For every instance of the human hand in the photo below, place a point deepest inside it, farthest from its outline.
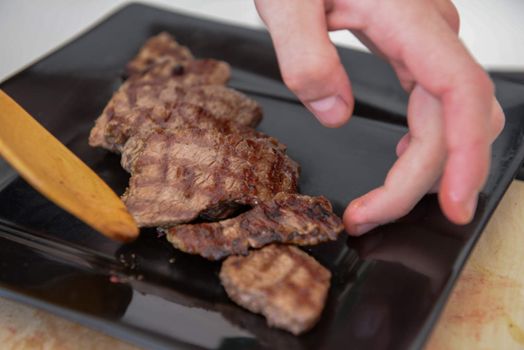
(453, 116)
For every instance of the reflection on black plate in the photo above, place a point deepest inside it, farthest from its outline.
(388, 287)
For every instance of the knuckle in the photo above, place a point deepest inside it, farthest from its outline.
(454, 23)
(452, 16)
(474, 83)
(479, 143)
(448, 11)
(482, 83)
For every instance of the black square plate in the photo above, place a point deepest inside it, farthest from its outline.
(388, 287)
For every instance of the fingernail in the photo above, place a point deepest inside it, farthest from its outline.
(363, 228)
(331, 111)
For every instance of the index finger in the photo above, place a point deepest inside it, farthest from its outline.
(308, 60)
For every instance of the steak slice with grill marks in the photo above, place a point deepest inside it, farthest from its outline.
(156, 49)
(286, 218)
(281, 282)
(161, 57)
(159, 77)
(181, 173)
(147, 105)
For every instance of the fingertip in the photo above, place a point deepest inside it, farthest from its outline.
(459, 210)
(349, 219)
(465, 174)
(331, 111)
(354, 221)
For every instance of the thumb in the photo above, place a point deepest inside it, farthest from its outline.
(309, 62)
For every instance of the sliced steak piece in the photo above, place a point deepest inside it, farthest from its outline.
(281, 282)
(141, 106)
(286, 218)
(190, 73)
(179, 173)
(156, 49)
(162, 58)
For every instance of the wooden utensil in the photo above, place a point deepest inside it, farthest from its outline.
(58, 174)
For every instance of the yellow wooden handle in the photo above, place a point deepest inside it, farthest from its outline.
(53, 170)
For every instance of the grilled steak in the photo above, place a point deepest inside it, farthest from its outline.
(141, 107)
(161, 57)
(162, 75)
(157, 49)
(286, 218)
(190, 146)
(281, 282)
(181, 173)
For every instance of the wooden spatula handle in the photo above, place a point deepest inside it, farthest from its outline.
(54, 171)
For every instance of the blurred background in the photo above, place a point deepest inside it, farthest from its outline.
(492, 30)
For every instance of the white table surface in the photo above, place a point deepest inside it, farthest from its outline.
(492, 30)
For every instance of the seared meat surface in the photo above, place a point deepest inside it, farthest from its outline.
(140, 107)
(181, 173)
(162, 76)
(190, 73)
(156, 49)
(286, 218)
(161, 58)
(190, 146)
(281, 282)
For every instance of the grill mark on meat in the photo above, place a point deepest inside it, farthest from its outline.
(164, 163)
(225, 102)
(268, 263)
(273, 213)
(142, 117)
(220, 177)
(274, 173)
(316, 211)
(280, 219)
(301, 294)
(188, 179)
(280, 282)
